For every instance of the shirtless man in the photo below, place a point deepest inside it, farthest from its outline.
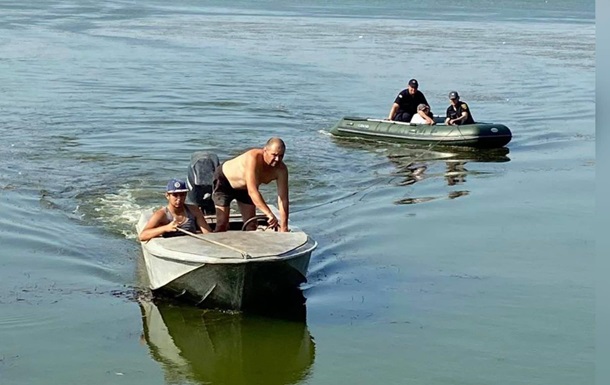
(239, 178)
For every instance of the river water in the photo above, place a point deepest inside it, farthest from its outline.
(433, 267)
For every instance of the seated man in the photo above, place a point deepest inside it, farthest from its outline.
(177, 215)
(422, 116)
(458, 112)
(239, 178)
(405, 104)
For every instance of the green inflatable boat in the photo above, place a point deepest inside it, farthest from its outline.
(478, 135)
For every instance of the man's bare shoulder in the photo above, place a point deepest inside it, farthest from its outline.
(254, 152)
(243, 157)
(282, 166)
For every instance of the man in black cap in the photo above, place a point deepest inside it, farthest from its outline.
(405, 104)
(458, 112)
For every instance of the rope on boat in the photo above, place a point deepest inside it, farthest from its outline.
(244, 254)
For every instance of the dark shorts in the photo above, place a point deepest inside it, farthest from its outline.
(402, 116)
(223, 193)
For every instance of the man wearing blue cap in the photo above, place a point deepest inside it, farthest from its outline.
(458, 112)
(167, 221)
(405, 104)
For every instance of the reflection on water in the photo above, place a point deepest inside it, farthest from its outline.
(415, 163)
(455, 173)
(212, 347)
(412, 173)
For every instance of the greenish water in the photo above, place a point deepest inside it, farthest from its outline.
(433, 267)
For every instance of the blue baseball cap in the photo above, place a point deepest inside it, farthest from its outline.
(176, 186)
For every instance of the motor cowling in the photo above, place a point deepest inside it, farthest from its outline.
(200, 180)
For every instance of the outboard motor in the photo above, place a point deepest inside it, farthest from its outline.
(200, 178)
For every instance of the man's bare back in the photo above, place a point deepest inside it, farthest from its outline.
(235, 169)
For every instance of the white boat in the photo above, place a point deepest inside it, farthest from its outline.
(230, 270)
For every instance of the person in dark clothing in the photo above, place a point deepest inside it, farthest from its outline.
(458, 112)
(405, 104)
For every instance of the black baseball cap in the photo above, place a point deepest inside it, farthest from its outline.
(413, 83)
(454, 95)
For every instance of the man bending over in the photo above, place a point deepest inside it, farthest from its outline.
(239, 178)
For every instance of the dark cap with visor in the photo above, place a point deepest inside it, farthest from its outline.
(176, 186)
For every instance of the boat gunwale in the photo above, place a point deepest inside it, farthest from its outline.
(438, 119)
(308, 247)
(421, 138)
(460, 139)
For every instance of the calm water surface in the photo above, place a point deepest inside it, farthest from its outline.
(433, 266)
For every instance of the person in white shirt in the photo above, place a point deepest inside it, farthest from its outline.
(423, 115)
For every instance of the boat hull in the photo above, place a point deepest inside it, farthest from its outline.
(236, 270)
(479, 135)
(234, 286)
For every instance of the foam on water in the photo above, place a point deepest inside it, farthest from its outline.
(120, 211)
